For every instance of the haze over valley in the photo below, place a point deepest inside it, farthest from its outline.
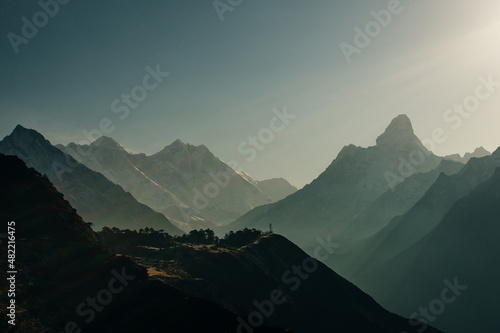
(249, 166)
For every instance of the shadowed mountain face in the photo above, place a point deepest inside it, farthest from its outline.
(62, 266)
(367, 230)
(396, 202)
(353, 182)
(464, 246)
(404, 231)
(96, 198)
(185, 182)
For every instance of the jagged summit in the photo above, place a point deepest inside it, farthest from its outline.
(400, 130)
(177, 143)
(19, 131)
(179, 146)
(21, 136)
(481, 150)
(175, 147)
(478, 152)
(106, 142)
(19, 127)
(348, 150)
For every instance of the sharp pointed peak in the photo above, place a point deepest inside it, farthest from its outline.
(19, 127)
(400, 129)
(401, 122)
(177, 145)
(478, 152)
(178, 142)
(481, 150)
(24, 137)
(103, 139)
(181, 145)
(107, 142)
(23, 132)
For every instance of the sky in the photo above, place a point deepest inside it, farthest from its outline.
(232, 69)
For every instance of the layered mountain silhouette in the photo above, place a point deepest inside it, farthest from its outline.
(66, 272)
(395, 202)
(463, 247)
(96, 198)
(478, 152)
(186, 183)
(387, 233)
(370, 228)
(68, 281)
(353, 182)
(411, 229)
(405, 230)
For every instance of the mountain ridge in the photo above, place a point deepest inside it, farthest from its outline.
(94, 196)
(350, 184)
(186, 172)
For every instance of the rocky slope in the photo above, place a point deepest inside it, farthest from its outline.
(185, 182)
(96, 198)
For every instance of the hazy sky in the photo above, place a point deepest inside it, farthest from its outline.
(226, 77)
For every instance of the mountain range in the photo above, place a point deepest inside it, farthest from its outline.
(172, 190)
(184, 182)
(62, 264)
(405, 230)
(96, 198)
(401, 223)
(69, 281)
(478, 152)
(352, 183)
(380, 206)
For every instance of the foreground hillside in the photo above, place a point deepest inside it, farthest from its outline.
(270, 278)
(68, 281)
